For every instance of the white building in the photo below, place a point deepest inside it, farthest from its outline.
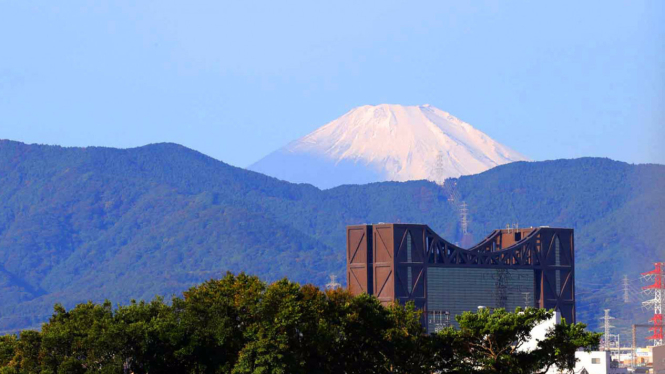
(538, 333)
(596, 362)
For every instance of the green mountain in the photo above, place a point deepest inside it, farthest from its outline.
(81, 224)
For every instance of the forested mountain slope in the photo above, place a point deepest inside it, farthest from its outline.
(95, 223)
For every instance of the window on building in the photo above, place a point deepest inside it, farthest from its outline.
(557, 262)
(409, 249)
(595, 361)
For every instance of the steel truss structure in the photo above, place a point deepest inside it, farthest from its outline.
(392, 261)
(657, 302)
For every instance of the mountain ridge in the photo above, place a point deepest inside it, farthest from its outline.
(95, 223)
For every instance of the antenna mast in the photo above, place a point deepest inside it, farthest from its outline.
(527, 299)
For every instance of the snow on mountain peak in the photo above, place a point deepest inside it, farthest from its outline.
(387, 142)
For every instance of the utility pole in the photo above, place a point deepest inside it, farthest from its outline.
(634, 347)
(607, 320)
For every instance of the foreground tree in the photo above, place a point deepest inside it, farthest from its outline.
(147, 337)
(26, 354)
(8, 346)
(363, 336)
(210, 323)
(494, 342)
(80, 338)
(561, 344)
(241, 325)
(410, 349)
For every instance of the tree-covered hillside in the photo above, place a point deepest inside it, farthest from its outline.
(95, 223)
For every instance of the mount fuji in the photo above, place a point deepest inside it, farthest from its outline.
(387, 143)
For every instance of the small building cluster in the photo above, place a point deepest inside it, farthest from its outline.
(510, 268)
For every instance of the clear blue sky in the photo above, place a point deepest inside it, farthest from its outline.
(236, 80)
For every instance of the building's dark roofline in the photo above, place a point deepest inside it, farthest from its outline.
(480, 246)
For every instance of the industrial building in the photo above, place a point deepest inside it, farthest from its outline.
(511, 267)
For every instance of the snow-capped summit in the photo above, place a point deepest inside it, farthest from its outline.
(387, 142)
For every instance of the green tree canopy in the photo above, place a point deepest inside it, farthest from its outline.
(494, 342)
(241, 325)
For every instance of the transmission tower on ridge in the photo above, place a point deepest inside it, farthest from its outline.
(464, 212)
(607, 326)
(657, 302)
(450, 189)
(439, 171)
(333, 284)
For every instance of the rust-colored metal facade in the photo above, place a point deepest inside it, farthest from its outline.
(391, 261)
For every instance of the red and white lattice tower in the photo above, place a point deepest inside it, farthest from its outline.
(658, 290)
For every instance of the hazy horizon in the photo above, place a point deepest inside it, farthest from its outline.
(237, 81)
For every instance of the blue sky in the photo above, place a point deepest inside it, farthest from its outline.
(237, 80)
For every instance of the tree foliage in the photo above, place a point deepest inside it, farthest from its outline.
(496, 342)
(241, 325)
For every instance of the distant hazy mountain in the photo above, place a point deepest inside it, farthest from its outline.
(80, 224)
(387, 143)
